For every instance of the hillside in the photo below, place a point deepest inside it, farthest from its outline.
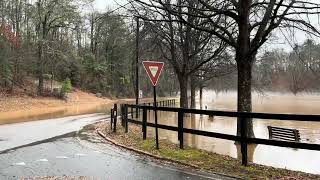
(24, 102)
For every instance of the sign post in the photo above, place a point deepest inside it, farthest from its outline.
(153, 70)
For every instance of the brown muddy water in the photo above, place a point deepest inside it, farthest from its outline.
(54, 112)
(289, 158)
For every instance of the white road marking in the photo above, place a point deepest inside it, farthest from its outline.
(20, 164)
(61, 157)
(80, 154)
(42, 160)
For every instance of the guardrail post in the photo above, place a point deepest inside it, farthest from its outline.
(126, 117)
(180, 128)
(144, 123)
(244, 148)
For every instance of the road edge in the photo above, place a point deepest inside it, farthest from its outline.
(159, 157)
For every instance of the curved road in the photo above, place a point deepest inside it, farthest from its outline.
(76, 154)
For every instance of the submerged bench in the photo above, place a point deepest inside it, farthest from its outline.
(283, 134)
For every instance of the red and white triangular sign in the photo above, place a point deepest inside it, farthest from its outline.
(153, 69)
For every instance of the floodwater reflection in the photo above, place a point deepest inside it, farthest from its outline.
(54, 112)
(295, 159)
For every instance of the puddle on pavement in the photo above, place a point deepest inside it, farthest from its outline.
(54, 112)
(295, 159)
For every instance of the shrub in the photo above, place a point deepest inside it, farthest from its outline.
(66, 87)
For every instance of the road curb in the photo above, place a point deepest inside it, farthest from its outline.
(157, 157)
(143, 152)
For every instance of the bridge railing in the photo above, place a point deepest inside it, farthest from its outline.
(242, 116)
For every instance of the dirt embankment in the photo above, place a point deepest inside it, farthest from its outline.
(23, 102)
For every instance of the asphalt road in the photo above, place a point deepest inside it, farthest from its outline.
(20, 134)
(86, 154)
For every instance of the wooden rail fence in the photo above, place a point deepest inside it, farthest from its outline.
(243, 116)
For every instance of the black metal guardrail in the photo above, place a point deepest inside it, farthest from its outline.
(243, 116)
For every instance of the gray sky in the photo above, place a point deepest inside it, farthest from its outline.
(278, 42)
(102, 5)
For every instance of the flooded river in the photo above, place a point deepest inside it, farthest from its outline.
(53, 112)
(294, 159)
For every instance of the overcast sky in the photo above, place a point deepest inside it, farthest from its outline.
(102, 5)
(278, 42)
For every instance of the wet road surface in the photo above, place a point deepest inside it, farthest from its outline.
(86, 154)
(19, 134)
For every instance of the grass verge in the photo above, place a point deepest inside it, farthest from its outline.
(203, 160)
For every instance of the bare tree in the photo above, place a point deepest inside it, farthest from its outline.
(50, 15)
(181, 45)
(244, 25)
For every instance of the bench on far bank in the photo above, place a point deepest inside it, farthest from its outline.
(284, 134)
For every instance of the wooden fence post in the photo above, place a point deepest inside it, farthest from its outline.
(126, 117)
(244, 148)
(111, 118)
(122, 115)
(296, 135)
(115, 117)
(132, 112)
(144, 124)
(180, 128)
(270, 132)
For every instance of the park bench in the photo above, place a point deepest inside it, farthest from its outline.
(283, 134)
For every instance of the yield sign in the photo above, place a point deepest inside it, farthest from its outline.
(153, 69)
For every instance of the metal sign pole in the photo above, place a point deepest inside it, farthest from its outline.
(137, 67)
(153, 70)
(155, 115)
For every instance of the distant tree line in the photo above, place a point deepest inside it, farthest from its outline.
(56, 41)
(278, 70)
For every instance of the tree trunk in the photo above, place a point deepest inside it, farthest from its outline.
(183, 82)
(193, 92)
(41, 51)
(91, 33)
(244, 93)
(40, 68)
(200, 94)
(244, 59)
